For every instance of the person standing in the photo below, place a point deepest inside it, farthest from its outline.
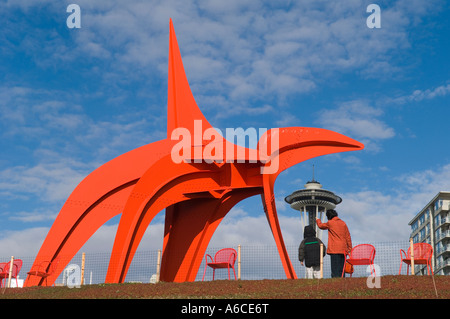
(309, 252)
(339, 241)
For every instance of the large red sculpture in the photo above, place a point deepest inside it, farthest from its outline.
(197, 192)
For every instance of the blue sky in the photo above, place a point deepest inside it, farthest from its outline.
(72, 99)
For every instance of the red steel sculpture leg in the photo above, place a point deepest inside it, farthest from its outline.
(98, 198)
(196, 193)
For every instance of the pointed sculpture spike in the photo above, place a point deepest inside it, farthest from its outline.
(182, 110)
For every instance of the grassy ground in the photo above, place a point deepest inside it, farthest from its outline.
(390, 287)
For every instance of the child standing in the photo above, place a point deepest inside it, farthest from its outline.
(309, 252)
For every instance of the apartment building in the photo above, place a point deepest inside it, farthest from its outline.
(432, 225)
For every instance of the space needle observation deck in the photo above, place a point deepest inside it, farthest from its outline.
(312, 202)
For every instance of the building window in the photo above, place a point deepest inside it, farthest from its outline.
(437, 204)
(423, 233)
(421, 219)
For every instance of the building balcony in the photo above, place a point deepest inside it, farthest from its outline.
(442, 221)
(442, 249)
(442, 235)
(442, 264)
(442, 208)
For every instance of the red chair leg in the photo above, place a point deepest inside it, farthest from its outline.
(372, 270)
(204, 272)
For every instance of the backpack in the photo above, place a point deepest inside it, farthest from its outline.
(312, 252)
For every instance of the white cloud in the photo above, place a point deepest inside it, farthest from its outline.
(103, 239)
(420, 95)
(27, 242)
(31, 217)
(243, 50)
(22, 243)
(372, 216)
(376, 217)
(239, 228)
(359, 120)
(61, 141)
(384, 216)
(51, 182)
(428, 182)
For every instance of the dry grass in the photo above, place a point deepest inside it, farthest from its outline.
(391, 287)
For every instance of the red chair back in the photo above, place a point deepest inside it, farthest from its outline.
(2, 266)
(17, 265)
(363, 251)
(226, 255)
(53, 266)
(421, 251)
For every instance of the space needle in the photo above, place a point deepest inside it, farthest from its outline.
(312, 201)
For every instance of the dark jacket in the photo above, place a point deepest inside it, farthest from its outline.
(309, 249)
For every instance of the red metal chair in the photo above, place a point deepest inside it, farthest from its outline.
(2, 266)
(44, 269)
(363, 254)
(224, 258)
(422, 256)
(4, 274)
